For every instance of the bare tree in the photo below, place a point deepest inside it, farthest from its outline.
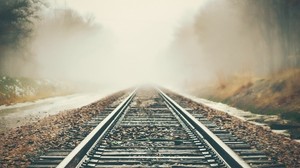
(16, 26)
(16, 20)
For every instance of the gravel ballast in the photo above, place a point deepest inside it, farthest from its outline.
(19, 146)
(276, 146)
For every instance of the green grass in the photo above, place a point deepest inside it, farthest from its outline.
(278, 87)
(283, 113)
(252, 108)
(292, 115)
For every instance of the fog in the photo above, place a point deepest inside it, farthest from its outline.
(222, 41)
(125, 42)
(169, 42)
(227, 38)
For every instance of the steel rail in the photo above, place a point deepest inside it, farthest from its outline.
(226, 153)
(77, 155)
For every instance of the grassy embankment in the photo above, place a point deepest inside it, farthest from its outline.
(16, 90)
(277, 94)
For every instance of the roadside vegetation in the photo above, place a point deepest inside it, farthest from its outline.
(245, 53)
(276, 94)
(32, 33)
(16, 90)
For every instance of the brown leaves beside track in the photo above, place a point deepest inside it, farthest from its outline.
(20, 145)
(276, 146)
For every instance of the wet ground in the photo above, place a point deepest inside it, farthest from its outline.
(276, 123)
(21, 113)
(20, 145)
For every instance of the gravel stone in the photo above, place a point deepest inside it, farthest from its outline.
(19, 146)
(276, 146)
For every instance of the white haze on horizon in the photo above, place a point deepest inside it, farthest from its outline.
(133, 39)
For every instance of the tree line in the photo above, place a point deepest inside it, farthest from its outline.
(23, 21)
(261, 34)
(279, 18)
(16, 21)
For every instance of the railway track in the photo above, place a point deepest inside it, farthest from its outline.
(149, 129)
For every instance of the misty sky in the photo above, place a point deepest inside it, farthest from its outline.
(138, 33)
